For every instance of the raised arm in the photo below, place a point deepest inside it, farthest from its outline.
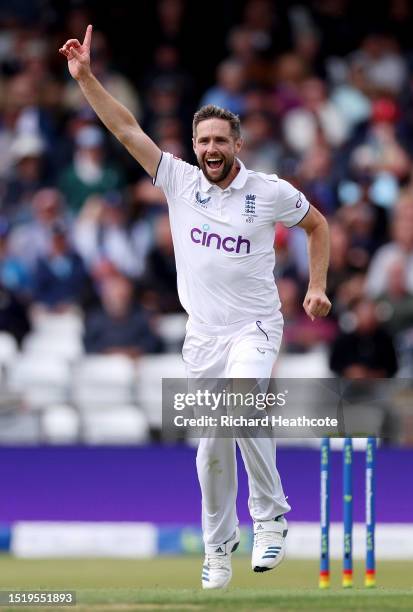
(316, 303)
(116, 117)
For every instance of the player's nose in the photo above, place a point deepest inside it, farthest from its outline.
(212, 148)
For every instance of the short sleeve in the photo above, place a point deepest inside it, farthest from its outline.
(173, 175)
(292, 205)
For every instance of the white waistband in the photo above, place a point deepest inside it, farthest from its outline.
(231, 328)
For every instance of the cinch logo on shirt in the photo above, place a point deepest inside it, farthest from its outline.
(229, 243)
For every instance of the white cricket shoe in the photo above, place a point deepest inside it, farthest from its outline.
(217, 570)
(269, 544)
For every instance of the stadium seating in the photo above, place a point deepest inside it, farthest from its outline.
(60, 424)
(150, 371)
(172, 329)
(103, 381)
(41, 382)
(8, 348)
(49, 343)
(118, 425)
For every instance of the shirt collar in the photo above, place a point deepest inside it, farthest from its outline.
(238, 182)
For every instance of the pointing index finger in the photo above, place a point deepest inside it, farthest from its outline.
(88, 37)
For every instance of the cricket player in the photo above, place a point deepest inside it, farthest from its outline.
(222, 220)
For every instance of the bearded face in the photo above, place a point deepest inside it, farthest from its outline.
(215, 149)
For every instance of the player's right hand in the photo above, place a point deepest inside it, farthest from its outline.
(78, 55)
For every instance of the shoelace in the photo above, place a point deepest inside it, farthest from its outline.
(217, 562)
(267, 538)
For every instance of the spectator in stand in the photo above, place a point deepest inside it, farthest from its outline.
(368, 350)
(268, 24)
(89, 174)
(164, 101)
(228, 92)
(395, 305)
(299, 334)
(148, 201)
(25, 178)
(244, 49)
(380, 59)
(60, 279)
(160, 292)
(340, 24)
(362, 214)
(343, 269)
(315, 121)
(381, 150)
(120, 325)
(13, 274)
(315, 174)
(400, 21)
(289, 72)
(23, 104)
(256, 101)
(171, 134)
(102, 232)
(306, 38)
(16, 96)
(31, 240)
(360, 221)
(13, 314)
(171, 18)
(286, 266)
(42, 102)
(168, 63)
(351, 97)
(400, 248)
(260, 152)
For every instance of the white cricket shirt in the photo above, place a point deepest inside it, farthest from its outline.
(224, 239)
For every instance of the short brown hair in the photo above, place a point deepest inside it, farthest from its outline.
(210, 111)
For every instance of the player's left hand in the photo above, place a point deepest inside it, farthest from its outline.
(316, 303)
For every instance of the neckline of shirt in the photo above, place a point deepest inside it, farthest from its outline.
(238, 182)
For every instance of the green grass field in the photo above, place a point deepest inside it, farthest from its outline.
(172, 583)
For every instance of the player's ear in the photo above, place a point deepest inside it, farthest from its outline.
(238, 145)
(193, 144)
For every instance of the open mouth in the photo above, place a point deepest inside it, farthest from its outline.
(214, 163)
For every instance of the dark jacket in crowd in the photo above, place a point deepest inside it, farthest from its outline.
(105, 333)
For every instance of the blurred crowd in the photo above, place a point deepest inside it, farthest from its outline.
(325, 95)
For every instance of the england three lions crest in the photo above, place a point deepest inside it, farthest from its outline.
(249, 207)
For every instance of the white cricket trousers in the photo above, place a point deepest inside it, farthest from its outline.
(231, 352)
